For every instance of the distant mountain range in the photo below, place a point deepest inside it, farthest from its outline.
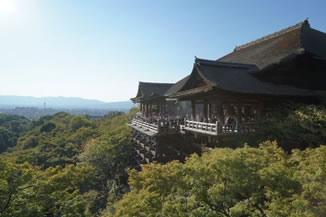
(61, 102)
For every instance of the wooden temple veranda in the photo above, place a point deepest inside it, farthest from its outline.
(226, 96)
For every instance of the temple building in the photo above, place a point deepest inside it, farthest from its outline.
(150, 98)
(155, 129)
(226, 96)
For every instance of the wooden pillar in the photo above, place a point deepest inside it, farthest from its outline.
(205, 110)
(146, 109)
(247, 113)
(209, 111)
(150, 109)
(238, 117)
(220, 113)
(230, 112)
(260, 110)
(230, 109)
(238, 114)
(193, 110)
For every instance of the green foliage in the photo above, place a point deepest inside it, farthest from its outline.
(66, 166)
(298, 126)
(46, 128)
(263, 181)
(80, 121)
(54, 140)
(30, 142)
(110, 154)
(15, 123)
(113, 114)
(11, 127)
(28, 191)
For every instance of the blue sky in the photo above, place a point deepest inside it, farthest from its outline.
(100, 49)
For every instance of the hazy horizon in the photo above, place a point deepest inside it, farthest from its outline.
(67, 97)
(101, 49)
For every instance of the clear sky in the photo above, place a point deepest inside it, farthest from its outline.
(100, 49)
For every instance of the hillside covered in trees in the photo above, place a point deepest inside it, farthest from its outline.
(64, 165)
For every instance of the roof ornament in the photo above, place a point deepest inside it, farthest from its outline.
(197, 60)
(306, 22)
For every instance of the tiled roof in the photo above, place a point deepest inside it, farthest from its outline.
(177, 86)
(147, 90)
(239, 78)
(274, 48)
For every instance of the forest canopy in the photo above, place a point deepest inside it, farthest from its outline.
(64, 165)
(264, 181)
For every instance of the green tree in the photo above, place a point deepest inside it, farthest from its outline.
(296, 126)
(46, 128)
(80, 121)
(110, 154)
(28, 191)
(66, 166)
(11, 128)
(264, 181)
(54, 140)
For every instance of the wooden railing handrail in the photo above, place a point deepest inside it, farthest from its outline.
(213, 129)
(146, 126)
(216, 128)
(201, 127)
(188, 121)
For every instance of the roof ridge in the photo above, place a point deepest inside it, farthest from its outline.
(155, 83)
(222, 63)
(304, 23)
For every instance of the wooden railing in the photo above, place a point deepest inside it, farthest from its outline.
(216, 128)
(155, 128)
(144, 125)
(201, 127)
(212, 129)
